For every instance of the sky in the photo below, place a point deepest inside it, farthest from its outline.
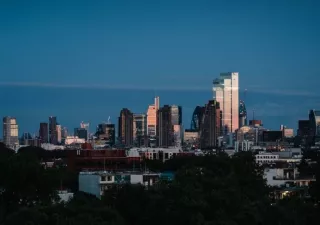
(85, 60)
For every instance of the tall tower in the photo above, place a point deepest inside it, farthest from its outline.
(126, 127)
(43, 132)
(10, 131)
(53, 139)
(152, 117)
(226, 92)
(210, 125)
(165, 135)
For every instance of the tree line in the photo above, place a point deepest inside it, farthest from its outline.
(206, 190)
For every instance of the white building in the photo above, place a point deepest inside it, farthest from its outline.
(74, 140)
(226, 92)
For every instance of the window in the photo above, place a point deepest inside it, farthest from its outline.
(103, 178)
(109, 178)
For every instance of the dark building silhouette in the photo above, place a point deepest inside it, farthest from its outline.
(210, 128)
(271, 136)
(314, 123)
(81, 133)
(43, 133)
(165, 135)
(126, 127)
(242, 114)
(303, 128)
(53, 134)
(197, 118)
(255, 123)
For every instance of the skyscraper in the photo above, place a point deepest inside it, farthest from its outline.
(176, 115)
(139, 128)
(197, 118)
(242, 114)
(59, 134)
(152, 117)
(43, 132)
(10, 131)
(226, 92)
(165, 132)
(126, 127)
(53, 139)
(210, 128)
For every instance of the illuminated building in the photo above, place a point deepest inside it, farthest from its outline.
(152, 117)
(226, 92)
(10, 131)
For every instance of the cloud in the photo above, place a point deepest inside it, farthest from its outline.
(103, 86)
(282, 91)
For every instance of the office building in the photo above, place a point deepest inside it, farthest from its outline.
(176, 115)
(43, 133)
(242, 114)
(211, 127)
(81, 133)
(85, 126)
(226, 92)
(10, 131)
(126, 127)
(152, 118)
(303, 128)
(197, 116)
(165, 132)
(139, 129)
(59, 134)
(53, 139)
(314, 120)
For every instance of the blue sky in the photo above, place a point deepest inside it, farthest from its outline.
(69, 46)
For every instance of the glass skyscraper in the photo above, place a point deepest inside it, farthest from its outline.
(226, 92)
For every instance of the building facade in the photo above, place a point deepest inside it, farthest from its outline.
(139, 129)
(226, 92)
(59, 133)
(10, 131)
(126, 127)
(176, 115)
(152, 117)
(81, 133)
(165, 132)
(242, 114)
(43, 132)
(53, 136)
(211, 125)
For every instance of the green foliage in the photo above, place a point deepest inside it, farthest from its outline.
(206, 190)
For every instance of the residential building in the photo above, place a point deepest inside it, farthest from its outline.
(96, 183)
(226, 92)
(126, 127)
(10, 131)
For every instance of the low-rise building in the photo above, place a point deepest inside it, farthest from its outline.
(96, 183)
